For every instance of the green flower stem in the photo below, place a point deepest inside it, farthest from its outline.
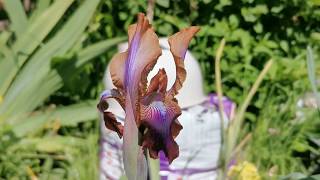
(220, 104)
(235, 125)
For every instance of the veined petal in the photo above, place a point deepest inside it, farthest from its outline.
(178, 46)
(110, 120)
(159, 118)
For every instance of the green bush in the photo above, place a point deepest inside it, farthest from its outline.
(255, 31)
(40, 54)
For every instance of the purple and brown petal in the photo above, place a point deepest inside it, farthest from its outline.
(153, 109)
(110, 120)
(158, 83)
(178, 46)
(159, 117)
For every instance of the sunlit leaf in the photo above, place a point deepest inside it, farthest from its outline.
(64, 115)
(26, 85)
(32, 38)
(17, 15)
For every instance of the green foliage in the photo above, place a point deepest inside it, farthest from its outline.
(17, 16)
(279, 137)
(44, 60)
(51, 156)
(39, 55)
(255, 31)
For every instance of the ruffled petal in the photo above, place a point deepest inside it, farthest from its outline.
(129, 69)
(176, 127)
(158, 83)
(143, 52)
(178, 46)
(109, 118)
(111, 123)
(159, 119)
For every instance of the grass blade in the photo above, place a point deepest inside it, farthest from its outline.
(219, 86)
(97, 49)
(41, 6)
(26, 84)
(312, 74)
(17, 16)
(236, 124)
(65, 115)
(68, 68)
(31, 39)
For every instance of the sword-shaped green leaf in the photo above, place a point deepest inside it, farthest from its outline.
(65, 115)
(17, 16)
(33, 37)
(26, 84)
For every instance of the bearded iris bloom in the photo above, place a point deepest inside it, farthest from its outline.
(151, 110)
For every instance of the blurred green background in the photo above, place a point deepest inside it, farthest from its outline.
(53, 54)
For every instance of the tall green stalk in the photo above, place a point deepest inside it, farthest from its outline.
(229, 140)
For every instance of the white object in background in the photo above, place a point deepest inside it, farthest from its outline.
(199, 145)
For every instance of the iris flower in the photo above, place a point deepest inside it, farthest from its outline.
(151, 110)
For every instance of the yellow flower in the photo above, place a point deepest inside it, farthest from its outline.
(1, 99)
(244, 171)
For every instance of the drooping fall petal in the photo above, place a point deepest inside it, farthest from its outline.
(108, 117)
(158, 114)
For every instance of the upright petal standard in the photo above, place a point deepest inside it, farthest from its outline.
(151, 111)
